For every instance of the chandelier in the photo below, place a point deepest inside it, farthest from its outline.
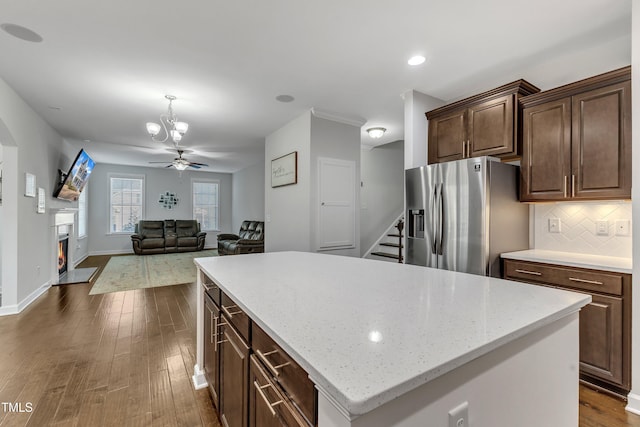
(169, 122)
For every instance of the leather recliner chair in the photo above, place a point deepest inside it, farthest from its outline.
(249, 240)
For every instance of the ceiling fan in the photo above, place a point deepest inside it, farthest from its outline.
(181, 163)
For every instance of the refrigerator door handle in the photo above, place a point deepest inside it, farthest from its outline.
(434, 221)
(441, 220)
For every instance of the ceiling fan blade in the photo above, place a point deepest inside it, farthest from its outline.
(198, 164)
(192, 165)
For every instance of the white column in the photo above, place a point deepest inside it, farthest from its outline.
(634, 397)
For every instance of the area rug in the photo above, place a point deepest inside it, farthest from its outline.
(123, 273)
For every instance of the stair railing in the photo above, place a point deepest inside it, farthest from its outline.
(400, 227)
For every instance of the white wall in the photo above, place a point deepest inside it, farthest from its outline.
(287, 209)
(247, 200)
(157, 181)
(334, 140)
(634, 396)
(382, 191)
(578, 228)
(29, 145)
(416, 104)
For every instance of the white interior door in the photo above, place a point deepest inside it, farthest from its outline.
(337, 199)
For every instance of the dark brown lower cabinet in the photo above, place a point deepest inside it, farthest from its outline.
(268, 405)
(211, 353)
(234, 376)
(605, 323)
(600, 338)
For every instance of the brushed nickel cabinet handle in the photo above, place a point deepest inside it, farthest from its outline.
(274, 369)
(565, 186)
(534, 273)
(264, 397)
(214, 330)
(464, 147)
(228, 313)
(468, 148)
(573, 186)
(591, 282)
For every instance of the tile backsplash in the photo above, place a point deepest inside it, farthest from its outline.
(578, 228)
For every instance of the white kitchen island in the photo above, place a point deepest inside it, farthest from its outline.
(398, 345)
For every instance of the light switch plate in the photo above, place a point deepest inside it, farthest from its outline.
(554, 225)
(602, 227)
(623, 227)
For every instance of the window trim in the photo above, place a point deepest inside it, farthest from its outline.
(206, 181)
(142, 197)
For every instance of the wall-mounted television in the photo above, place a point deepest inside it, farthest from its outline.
(72, 183)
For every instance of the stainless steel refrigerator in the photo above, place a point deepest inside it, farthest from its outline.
(462, 215)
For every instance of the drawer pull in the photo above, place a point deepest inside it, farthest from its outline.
(534, 273)
(591, 282)
(214, 330)
(228, 313)
(272, 368)
(264, 397)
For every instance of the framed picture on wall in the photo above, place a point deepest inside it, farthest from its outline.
(284, 170)
(29, 185)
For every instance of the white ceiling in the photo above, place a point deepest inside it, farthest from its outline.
(103, 68)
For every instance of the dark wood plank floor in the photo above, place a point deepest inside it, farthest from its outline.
(126, 358)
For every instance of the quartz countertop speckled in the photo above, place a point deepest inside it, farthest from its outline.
(573, 259)
(369, 331)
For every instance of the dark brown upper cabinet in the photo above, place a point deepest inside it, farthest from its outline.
(577, 140)
(486, 124)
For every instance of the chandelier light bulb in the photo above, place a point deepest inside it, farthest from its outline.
(181, 127)
(153, 128)
(175, 135)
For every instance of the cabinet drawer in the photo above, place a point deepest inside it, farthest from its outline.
(586, 280)
(284, 370)
(268, 406)
(212, 289)
(236, 316)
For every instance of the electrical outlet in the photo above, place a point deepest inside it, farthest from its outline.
(554, 225)
(459, 416)
(602, 227)
(622, 227)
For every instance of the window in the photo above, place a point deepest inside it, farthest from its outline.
(205, 204)
(82, 213)
(126, 203)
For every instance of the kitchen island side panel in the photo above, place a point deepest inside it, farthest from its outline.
(530, 382)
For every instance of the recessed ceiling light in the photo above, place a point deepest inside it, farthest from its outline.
(21, 32)
(416, 60)
(285, 98)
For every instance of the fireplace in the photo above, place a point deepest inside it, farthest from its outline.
(63, 251)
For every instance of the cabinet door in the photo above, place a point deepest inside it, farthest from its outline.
(601, 338)
(601, 139)
(490, 128)
(546, 151)
(447, 137)
(211, 353)
(234, 377)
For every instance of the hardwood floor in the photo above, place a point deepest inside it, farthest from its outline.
(118, 359)
(126, 359)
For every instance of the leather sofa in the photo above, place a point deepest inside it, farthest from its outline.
(249, 240)
(165, 236)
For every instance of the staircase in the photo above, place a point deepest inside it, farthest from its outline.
(390, 247)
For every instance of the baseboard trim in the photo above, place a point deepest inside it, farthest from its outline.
(17, 308)
(111, 252)
(633, 403)
(198, 378)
